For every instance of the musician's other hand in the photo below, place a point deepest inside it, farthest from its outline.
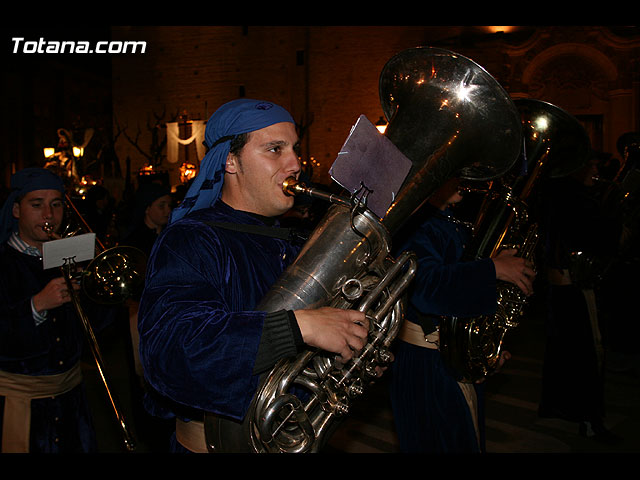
(514, 269)
(54, 294)
(343, 332)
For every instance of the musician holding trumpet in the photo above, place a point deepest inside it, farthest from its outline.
(433, 412)
(44, 407)
(203, 345)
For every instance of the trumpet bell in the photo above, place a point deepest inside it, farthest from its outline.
(115, 275)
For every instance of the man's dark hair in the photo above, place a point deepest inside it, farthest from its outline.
(238, 143)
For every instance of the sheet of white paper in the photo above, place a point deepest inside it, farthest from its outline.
(77, 248)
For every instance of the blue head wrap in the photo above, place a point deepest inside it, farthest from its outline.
(231, 119)
(23, 182)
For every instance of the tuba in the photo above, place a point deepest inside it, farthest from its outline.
(555, 145)
(113, 276)
(449, 117)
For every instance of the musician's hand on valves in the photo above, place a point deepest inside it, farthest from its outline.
(54, 294)
(343, 332)
(516, 270)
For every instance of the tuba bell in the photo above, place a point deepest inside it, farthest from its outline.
(449, 117)
(555, 145)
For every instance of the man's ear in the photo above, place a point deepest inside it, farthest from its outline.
(16, 210)
(231, 166)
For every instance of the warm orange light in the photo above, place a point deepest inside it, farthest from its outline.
(381, 125)
(503, 29)
(85, 184)
(146, 170)
(312, 162)
(187, 172)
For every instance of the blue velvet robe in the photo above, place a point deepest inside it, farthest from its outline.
(62, 423)
(444, 285)
(199, 332)
(430, 412)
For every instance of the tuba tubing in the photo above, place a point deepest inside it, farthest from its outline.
(330, 399)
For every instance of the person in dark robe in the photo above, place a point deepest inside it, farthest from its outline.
(151, 214)
(43, 405)
(203, 344)
(99, 214)
(433, 412)
(579, 239)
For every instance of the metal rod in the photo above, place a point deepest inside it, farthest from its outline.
(97, 356)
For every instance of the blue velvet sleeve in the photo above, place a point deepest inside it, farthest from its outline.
(198, 334)
(444, 285)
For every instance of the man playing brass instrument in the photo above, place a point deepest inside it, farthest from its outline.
(434, 413)
(202, 344)
(42, 398)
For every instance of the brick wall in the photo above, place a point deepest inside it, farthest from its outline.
(325, 76)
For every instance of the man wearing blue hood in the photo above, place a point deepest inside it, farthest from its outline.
(203, 345)
(43, 408)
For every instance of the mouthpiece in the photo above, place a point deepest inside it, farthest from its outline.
(48, 229)
(293, 187)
